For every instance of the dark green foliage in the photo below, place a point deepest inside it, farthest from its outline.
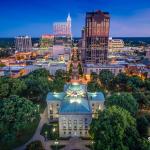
(16, 114)
(35, 145)
(124, 100)
(9, 86)
(50, 131)
(110, 130)
(147, 84)
(70, 68)
(2, 65)
(80, 69)
(94, 76)
(143, 98)
(119, 82)
(134, 83)
(142, 125)
(93, 87)
(106, 77)
(62, 75)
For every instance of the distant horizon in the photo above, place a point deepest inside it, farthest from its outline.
(80, 37)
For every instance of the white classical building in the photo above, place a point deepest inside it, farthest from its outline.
(52, 66)
(97, 68)
(74, 109)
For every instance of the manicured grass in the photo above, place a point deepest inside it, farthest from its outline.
(58, 147)
(50, 131)
(25, 135)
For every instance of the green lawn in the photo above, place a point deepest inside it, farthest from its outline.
(25, 135)
(50, 131)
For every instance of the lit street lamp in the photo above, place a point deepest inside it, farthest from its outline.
(46, 135)
(54, 129)
(38, 106)
(92, 145)
(56, 143)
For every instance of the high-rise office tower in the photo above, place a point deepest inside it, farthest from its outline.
(96, 36)
(23, 44)
(63, 28)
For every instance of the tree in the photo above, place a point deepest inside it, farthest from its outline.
(106, 77)
(147, 84)
(80, 69)
(58, 85)
(37, 88)
(134, 83)
(143, 98)
(11, 86)
(70, 68)
(110, 130)
(40, 73)
(2, 65)
(93, 87)
(16, 114)
(124, 100)
(142, 125)
(120, 82)
(62, 75)
(94, 76)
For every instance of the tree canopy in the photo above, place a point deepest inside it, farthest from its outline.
(110, 130)
(124, 100)
(10, 86)
(106, 77)
(16, 113)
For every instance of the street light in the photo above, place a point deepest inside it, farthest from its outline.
(56, 143)
(45, 135)
(38, 106)
(54, 129)
(92, 145)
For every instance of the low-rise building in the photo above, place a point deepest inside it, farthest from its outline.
(74, 109)
(17, 71)
(52, 66)
(97, 68)
(115, 45)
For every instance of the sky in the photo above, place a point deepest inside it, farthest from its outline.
(129, 18)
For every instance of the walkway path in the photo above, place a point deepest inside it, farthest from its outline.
(37, 135)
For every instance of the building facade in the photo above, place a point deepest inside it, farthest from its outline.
(95, 37)
(97, 68)
(63, 28)
(74, 109)
(116, 45)
(23, 44)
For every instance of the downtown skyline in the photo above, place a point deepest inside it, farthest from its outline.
(128, 19)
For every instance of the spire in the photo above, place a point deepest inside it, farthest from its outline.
(68, 18)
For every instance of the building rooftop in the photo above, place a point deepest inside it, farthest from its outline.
(97, 96)
(104, 66)
(53, 96)
(81, 106)
(75, 98)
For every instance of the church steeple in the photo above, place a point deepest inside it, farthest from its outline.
(68, 18)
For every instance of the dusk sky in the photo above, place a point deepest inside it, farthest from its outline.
(35, 17)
